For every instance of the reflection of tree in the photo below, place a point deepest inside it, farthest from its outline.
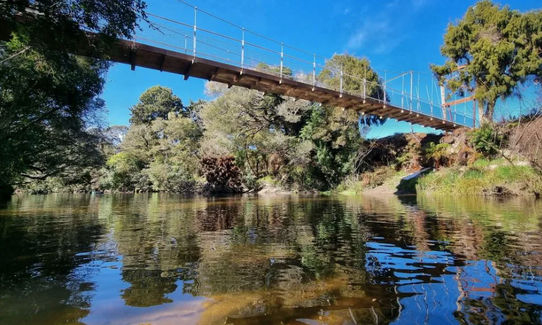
(148, 288)
(39, 254)
(275, 269)
(276, 260)
(158, 245)
(492, 264)
(217, 216)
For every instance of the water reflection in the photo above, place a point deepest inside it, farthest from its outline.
(132, 259)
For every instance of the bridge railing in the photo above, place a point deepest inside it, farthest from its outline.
(246, 49)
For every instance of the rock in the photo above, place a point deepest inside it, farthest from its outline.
(407, 185)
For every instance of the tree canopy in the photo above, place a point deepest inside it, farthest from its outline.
(160, 151)
(355, 70)
(49, 97)
(490, 51)
(155, 102)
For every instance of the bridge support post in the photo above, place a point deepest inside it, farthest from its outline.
(195, 29)
(411, 89)
(402, 92)
(281, 60)
(341, 84)
(384, 90)
(314, 72)
(242, 49)
(365, 86)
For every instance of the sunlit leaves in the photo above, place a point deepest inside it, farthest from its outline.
(497, 49)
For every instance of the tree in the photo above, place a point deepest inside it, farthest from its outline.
(160, 151)
(303, 144)
(49, 97)
(355, 70)
(156, 102)
(124, 165)
(490, 52)
(46, 101)
(336, 139)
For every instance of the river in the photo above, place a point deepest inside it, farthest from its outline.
(166, 259)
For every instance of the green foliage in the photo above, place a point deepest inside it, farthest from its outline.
(436, 153)
(170, 178)
(49, 97)
(300, 144)
(157, 153)
(487, 140)
(46, 100)
(354, 70)
(123, 166)
(304, 145)
(156, 102)
(497, 177)
(286, 71)
(112, 18)
(336, 139)
(499, 50)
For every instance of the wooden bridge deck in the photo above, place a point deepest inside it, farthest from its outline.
(142, 55)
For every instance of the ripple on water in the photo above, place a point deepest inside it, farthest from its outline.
(164, 259)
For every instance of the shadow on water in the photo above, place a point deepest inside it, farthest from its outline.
(165, 259)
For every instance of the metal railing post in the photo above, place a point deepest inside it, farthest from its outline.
(195, 29)
(242, 49)
(411, 88)
(341, 84)
(365, 86)
(402, 93)
(314, 72)
(384, 89)
(281, 60)
(418, 106)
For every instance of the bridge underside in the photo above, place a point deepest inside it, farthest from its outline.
(142, 55)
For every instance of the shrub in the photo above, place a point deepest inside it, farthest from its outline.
(123, 166)
(487, 140)
(221, 173)
(436, 153)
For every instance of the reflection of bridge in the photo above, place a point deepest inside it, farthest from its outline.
(194, 50)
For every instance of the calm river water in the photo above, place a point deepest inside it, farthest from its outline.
(163, 259)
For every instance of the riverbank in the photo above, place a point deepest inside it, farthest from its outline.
(484, 178)
(499, 160)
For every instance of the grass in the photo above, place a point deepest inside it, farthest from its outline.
(384, 176)
(484, 177)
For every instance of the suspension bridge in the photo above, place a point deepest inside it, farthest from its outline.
(236, 56)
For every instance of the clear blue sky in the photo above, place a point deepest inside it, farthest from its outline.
(395, 35)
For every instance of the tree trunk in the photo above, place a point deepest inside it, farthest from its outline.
(481, 112)
(6, 191)
(485, 112)
(489, 112)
